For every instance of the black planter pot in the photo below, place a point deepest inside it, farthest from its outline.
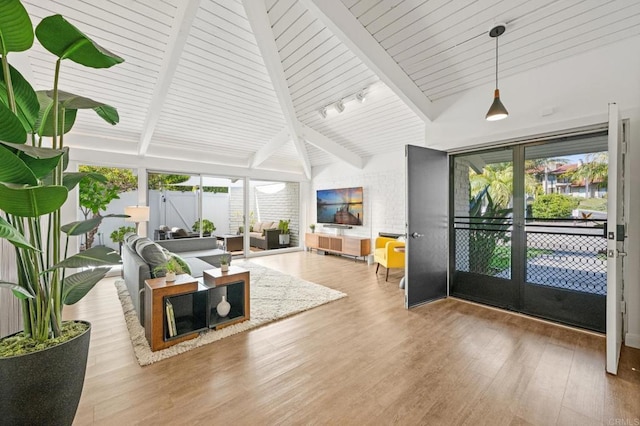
(44, 388)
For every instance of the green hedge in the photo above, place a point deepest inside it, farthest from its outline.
(554, 206)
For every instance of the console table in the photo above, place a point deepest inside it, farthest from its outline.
(339, 244)
(194, 303)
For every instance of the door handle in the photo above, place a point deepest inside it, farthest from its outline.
(416, 235)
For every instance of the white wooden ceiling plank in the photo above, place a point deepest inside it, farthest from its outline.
(576, 29)
(363, 7)
(543, 56)
(298, 33)
(283, 23)
(259, 21)
(476, 26)
(347, 28)
(227, 96)
(322, 42)
(167, 8)
(224, 111)
(350, 3)
(234, 63)
(404, 9)
(421, 19)
(218, 9)
(98, 24)
(375, 12)
(180, 31)
(206, 19)
(270, 148)
(218, 75)
(235, 45)
(325, 72)
(278, 9)
(326, 57)
(374, 130)
(154, 13)
(303, 42)
(328, 145)
(322, 96)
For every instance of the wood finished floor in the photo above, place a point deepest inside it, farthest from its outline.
(363, 359)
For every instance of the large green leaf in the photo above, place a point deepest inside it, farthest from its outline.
(82, 226)
(16, 30)
(26, 100)
(19, 292)
(14, 169)
(64, 40)
(71, 179)
(76, 286)
(11, 129)
(32, 201)
(69, 102)
(12, 235)
(44, 123)
(95, 256)
(41, 161)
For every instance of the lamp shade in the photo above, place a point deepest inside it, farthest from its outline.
(497, 111)
(137, 213)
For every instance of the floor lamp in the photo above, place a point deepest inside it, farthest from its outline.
(137, 214)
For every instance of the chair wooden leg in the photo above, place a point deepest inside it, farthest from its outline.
(387, 277)
(377, 267)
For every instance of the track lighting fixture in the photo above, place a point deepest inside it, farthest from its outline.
(339, 106)
(497, 111)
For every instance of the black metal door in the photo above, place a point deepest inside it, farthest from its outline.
(427, 218)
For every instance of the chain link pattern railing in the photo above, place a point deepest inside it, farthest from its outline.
(483, 251)
(570, 261)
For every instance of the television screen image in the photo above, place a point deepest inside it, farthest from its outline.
(340, 206)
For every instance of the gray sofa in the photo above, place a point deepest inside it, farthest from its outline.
(198, 253)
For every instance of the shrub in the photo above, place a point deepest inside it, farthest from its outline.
(554, 206)
(207, 226)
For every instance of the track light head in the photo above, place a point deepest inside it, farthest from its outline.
(361, 96)
(323, 112)
(339, 106)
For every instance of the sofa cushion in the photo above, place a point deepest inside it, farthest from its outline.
(179, 260)
(197, 266)
(131, 239)
(151, 253)
(179, 232)
(257, 227)
(268, 225)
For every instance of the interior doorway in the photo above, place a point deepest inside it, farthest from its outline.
(528, 228)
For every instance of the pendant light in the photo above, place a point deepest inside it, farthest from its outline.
(497, 110)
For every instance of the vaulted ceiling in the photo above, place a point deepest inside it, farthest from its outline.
(242, 82)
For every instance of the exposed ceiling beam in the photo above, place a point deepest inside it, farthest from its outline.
(185, 13)
(261, 27)
(328, 145)
(339, 19)
(269, 148)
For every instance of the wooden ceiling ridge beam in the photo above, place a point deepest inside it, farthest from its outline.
(261, 26)
(185, 14)
(270, 148)
(327, 144)
(339, 19)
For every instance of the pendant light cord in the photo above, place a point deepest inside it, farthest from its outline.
(496, 62)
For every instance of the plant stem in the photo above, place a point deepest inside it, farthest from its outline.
(7, 78)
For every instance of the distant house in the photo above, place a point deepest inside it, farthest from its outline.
(554, 180)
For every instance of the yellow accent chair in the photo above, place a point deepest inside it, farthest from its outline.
(386, 256)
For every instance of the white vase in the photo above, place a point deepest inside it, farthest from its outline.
(170, 276)
(223, 307)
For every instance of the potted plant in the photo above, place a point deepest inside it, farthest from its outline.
(283, 226)
(117, 236)
(207, 227)
(312, 227)
(170, 268)
(224, 263)
(42, 368)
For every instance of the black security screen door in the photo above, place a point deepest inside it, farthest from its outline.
(527, 231)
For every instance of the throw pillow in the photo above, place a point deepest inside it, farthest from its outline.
(257, 227)
(151, 253)
(179, 232)
(183, 263)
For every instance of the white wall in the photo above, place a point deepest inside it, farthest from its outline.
(578, 90)
(383, 182)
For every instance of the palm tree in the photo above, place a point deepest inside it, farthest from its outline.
(594, 168)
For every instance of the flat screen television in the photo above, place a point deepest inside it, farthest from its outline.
(342, 206)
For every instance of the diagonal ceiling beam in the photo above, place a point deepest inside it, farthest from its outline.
(339, 19)
(269, 148)
(328, 145)
(185, 14)
(261, 27)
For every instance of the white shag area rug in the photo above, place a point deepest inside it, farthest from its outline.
(274, 295)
